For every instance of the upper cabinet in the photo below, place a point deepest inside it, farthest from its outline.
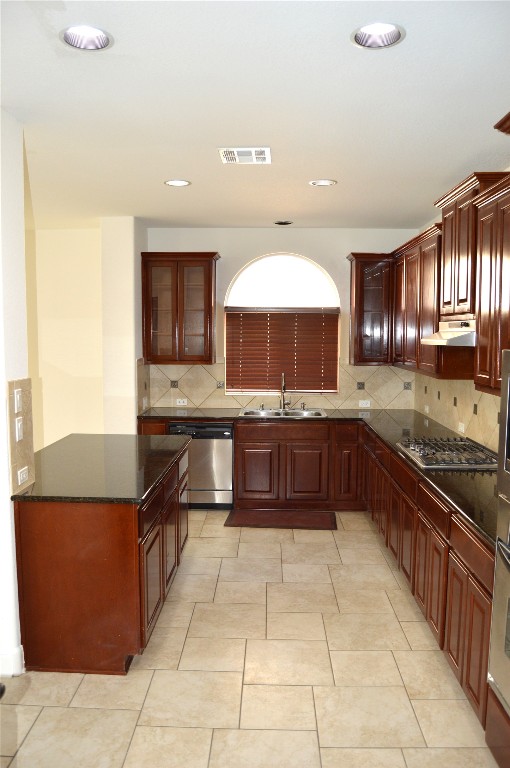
(416, 311)
(178, 307)
(458, 254)
(492, 284)
(415, 302)
(370, 308)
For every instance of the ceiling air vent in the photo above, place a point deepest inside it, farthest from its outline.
(245, 155)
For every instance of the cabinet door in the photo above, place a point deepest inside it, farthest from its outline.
(183, 512)
(160, 311)
(383, 500)
(152, 590)
(407, 538)
(488, 268)
(194, 310)
(170, 548)
(455, 615)
(421, 562)
(436, 588)
(447, 303)
(411, 328)
(429, 290)
(476, 654)
(346, 473)
(465, 262)
(307, 471)
(393, 537)
(398, 312)
(257, 469)
(370, 309)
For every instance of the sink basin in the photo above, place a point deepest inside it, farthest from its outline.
(292, 413)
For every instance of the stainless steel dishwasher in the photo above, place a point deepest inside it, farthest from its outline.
(210, 462)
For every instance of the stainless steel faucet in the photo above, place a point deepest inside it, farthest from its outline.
(283, 402)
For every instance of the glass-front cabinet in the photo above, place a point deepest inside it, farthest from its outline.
(178, 292)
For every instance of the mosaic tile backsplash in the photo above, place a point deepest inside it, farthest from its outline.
(456, 404)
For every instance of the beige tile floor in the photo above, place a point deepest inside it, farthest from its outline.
(275, 648)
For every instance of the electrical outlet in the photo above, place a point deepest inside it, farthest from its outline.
(364, 403)
(462, 428)
(22, 475)
(145, 403)
(18, 400)
(19, 428)
(182, 401)
(427, 409)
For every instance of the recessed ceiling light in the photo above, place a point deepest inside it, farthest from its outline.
(323, 182)
(378, 35)
(178, 183)
(283, 223)
(86, 38)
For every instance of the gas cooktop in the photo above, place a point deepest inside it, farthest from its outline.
(451, 453)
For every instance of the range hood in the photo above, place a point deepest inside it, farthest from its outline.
(453, 333)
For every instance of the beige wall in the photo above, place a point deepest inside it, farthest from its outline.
(66, 333)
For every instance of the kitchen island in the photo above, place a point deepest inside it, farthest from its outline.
(98, 539)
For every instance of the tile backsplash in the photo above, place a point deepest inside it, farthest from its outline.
(454, 403)
(203, 386)
(459, 406)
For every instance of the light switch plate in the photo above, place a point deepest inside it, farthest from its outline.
(18, 400)
(19, 428)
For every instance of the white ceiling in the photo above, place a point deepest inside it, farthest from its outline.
(397, 128)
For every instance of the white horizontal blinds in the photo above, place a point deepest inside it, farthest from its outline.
(260, 345)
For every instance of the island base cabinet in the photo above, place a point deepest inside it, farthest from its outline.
(497, 731)
(153, 592)
(78, 583)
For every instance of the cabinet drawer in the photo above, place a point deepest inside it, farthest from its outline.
(435, 511)
(478, 559)
(170, 482)
(404, 476)
(346, 433)
(262, 432)
(148, 513)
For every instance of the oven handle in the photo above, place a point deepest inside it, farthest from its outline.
(504, 551)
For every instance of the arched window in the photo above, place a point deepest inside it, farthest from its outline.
(281, 316)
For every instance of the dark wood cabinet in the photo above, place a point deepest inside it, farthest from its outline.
(492, 284)
(476, 652)
(347, 473)
(415, 299)
(152, 566)
(93, 576)
(151, 427)
(307, 471)
(178, 307)
(421, 562)
(371, 275)
(407, 542)
(283, 471)
(257, 469)
(436, 585)
(455, 614)
(458, 254)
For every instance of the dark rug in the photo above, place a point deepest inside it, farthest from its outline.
(282, 518)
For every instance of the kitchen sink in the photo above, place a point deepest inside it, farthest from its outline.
(290, 413)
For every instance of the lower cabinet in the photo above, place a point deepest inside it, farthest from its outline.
(152, 565)
(468, 618)
(436, 585)
(307, 475)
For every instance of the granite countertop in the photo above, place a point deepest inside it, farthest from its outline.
(114, 469)
(471, 494)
